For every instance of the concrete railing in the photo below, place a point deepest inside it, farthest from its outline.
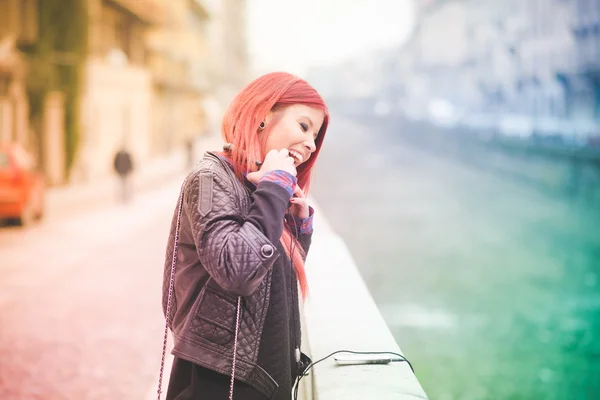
(340, 314)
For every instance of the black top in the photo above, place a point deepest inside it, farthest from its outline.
(277, 354)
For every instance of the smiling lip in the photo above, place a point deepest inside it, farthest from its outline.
(297, 156)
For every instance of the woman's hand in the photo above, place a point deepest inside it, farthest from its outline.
(275, 160)
(299, 206)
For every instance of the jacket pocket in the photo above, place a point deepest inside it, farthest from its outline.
(215, 317)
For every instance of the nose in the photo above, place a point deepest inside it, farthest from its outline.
(310, 145)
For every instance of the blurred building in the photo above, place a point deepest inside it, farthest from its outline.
(181, 62)
(149, 75)
(229, 44)
(199, 62)
(18, 26)
(116, 92)
(542, 48)
(536, 59)
(182, 71)
(582, 82)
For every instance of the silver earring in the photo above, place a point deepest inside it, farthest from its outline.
(261, 126)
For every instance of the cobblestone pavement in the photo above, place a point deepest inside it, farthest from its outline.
(80, 314)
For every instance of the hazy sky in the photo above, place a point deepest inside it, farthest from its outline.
(289, 35)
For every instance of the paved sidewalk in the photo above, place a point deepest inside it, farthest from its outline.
(69, 199)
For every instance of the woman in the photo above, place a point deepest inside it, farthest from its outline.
(244, 230)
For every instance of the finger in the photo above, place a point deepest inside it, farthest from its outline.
(299, 201)
(252, 177)
(298, 192)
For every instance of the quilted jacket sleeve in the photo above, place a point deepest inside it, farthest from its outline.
(236, 252)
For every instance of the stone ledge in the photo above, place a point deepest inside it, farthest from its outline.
(340, 314)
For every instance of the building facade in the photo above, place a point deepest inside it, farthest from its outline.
(18, 27)
(536, 59)
(116, 92)
(582, 82)
(181, 66)
(148, 75)
(229, 44)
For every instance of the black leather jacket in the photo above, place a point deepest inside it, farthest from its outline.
(227, 245)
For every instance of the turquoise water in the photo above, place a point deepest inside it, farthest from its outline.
(490, 286)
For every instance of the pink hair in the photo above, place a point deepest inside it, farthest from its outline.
(271, 92)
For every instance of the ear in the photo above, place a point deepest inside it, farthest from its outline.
(265, 122)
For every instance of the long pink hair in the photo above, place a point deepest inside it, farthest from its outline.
(271, 92)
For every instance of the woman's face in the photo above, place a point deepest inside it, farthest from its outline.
(294, 128)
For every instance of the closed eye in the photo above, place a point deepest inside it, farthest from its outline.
(304, 126)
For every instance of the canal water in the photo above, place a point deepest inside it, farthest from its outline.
(490, 285)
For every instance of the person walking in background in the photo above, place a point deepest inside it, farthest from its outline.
(123, 166)
(237, 244)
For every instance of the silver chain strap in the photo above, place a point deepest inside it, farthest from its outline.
(169, 301)
(170, 295)
(237, 328)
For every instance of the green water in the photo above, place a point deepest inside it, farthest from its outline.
(491, 287)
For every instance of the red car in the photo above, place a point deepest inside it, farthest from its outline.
(22, 186)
